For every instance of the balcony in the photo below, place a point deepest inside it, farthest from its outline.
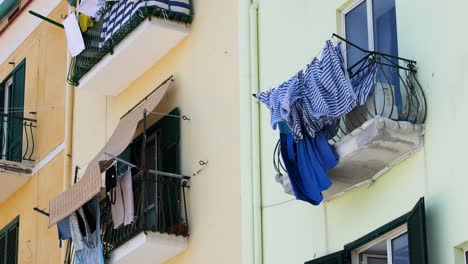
(17, 147)
(129, 48)
(387, 129)
(160, 229)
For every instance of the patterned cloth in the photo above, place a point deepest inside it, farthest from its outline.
(317, 97)
(92, 250)
(121, 12)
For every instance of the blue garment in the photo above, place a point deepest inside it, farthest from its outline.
(317, 97)
(63, 227)
(307, 162)
(92, 249)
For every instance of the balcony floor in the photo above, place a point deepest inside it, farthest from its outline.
(13, 175)
(141, 49)
(151, 248)
(371, 150)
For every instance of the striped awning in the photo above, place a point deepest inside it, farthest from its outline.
(90, 184)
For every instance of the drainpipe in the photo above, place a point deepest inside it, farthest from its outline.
(256, 148)
(69, 106)
(250, 134)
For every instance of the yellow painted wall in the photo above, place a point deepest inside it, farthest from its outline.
(206, 90)
(45, 53)
(429, 32)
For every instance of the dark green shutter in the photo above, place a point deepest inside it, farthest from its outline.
(335, 258)
(9, 243)
(6, 6)
(3, 244)
(169, 158)
(417, 234)
(15, 140)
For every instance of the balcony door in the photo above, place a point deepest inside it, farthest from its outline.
(12, 113)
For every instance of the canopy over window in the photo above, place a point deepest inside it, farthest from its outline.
(90, 184)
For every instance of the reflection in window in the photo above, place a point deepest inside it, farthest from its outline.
(400, 252)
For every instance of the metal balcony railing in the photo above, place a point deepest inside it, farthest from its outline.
(17, 138)
(396, 93)
(96, 48)
(160, 206)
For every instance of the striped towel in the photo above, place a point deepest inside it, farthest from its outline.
(121, 12)
(317, 97)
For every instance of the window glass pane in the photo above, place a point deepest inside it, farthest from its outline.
(400, 252)
(385, 41)
(385, 28)
(371, 260)
(356, 32)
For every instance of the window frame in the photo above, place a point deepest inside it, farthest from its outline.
(388, 237)
(370, 23)
(465, 255)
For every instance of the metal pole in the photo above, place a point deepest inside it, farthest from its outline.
(46, 19)
(156, 172)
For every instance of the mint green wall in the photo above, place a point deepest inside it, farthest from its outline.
(434, 34)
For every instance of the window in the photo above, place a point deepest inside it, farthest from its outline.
(466, 255)
(11, 113)
(9, 243)
(372, 25)
(162, 194)
(391, 248)
(402, 241)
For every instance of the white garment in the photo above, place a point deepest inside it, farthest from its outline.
(72, 30)
(123, 209)
(91, 8)
(285, 182)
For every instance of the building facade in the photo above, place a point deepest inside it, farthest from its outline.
(33, 62)
(289, 36)
(165, 90)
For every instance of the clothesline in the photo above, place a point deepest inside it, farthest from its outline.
(167, 174)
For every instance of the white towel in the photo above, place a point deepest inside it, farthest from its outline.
(123, 209)
(72, 30)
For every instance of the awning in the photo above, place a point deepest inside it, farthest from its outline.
(90, 184)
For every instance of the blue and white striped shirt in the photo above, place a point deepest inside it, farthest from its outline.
(317, 97)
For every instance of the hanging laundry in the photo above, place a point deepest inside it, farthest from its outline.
(77, 238)
(64, 230)
(92, 250)
(75, 39)
(307, 162)
(318, 96)
(285, 182)
(91, 8)
(123, 208)
(83, 223)
(85, 22)
(111, 182)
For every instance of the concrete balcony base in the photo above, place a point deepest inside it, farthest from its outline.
(370, 151)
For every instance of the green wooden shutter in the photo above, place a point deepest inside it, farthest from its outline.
(9, 243)
(6, 6)
(3, 244)
(12, 245)
(335, 258)
(169, 158)
(417, 240)
(15, 141)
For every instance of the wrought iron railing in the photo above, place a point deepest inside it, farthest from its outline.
(96, 49)
(160, 206)
(17, 138)
(396, 93)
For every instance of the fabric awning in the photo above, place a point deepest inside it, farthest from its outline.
(90, 184)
